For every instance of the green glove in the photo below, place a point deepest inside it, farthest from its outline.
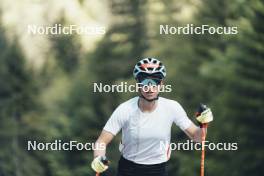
(205, 117)
(100, 164)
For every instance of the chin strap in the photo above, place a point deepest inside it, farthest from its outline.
(149, 100)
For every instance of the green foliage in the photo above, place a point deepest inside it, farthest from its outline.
(17, 98)
(67, 50)
(58, 102)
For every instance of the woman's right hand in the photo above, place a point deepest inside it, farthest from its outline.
(100, 164)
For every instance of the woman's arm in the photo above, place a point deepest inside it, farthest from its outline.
(194, 133)
(104, 139)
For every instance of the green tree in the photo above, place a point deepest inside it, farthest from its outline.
(17, 99)
(245, 92)
(233, 73)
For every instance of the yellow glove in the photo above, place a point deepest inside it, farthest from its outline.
(100, 164)
(205, 117)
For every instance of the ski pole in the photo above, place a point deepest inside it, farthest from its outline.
(202, 108)
(203, 127)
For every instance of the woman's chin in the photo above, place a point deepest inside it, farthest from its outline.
(150, 96)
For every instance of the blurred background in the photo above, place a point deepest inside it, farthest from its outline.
(46, 81)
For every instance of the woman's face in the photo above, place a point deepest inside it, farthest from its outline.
(149, 90)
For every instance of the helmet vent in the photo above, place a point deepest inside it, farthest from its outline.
(149, 66)
(151, 69)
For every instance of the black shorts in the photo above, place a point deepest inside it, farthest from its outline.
(129, 168)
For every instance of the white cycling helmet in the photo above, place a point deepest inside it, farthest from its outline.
(149, 66)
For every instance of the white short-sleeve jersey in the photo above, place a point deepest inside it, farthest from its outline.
(144, 134)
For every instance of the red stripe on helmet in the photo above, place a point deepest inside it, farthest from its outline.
(149, 65)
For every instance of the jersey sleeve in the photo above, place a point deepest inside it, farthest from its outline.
(180, 117)
(116, 121)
